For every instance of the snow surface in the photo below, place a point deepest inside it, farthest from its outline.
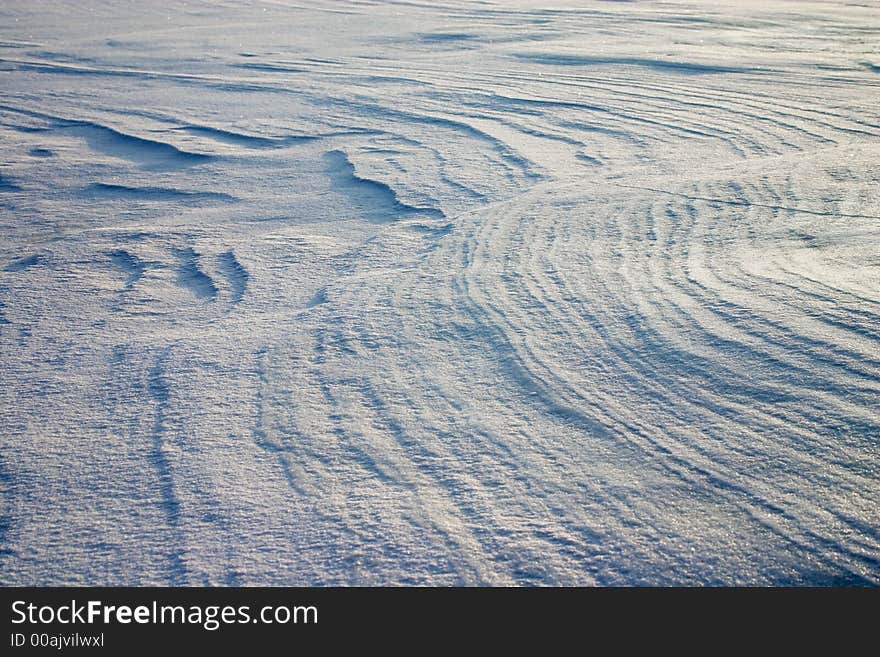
(360, 292)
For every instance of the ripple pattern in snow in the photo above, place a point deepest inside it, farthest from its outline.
(358, 292)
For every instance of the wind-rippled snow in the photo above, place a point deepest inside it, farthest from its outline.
(503, 293)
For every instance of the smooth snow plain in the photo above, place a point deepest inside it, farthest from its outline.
(447, 293)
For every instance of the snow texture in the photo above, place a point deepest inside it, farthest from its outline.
(453, 293)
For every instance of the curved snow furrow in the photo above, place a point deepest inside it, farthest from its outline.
(609, 112)
(707, 98)
(528, 356)
(745, 111)
(685, 467)
(720, 387)
(159, 390)
(445, 496)
(687, 462)
(154, 194)
(727, 321)
(681, 119)
(651, 341)
(719, 287)
(356, 343)
(624, 118)
(759, 357)
(515, 163)
(625, 99)
(611, 508)
(832, 289)
(820, 339)
(147, 152)
(622, 123)
(795, 117)
(379, 199)
(676, 123)
(862, 322)
(379, 444)
(236, 275)
(647, 345)
(726, 100)
(499, 300)
(191, 275)
(130, 264)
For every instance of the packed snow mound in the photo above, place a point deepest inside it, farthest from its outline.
(447, 293)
